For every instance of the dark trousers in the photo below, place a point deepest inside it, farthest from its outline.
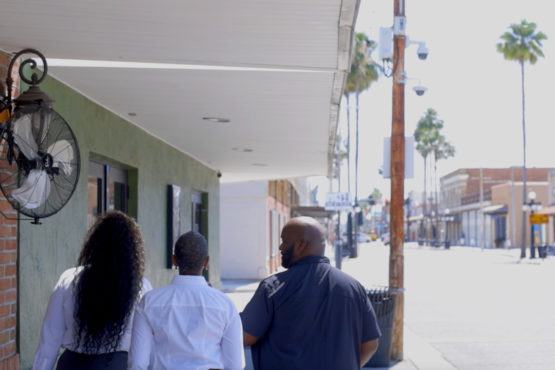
(70, 360)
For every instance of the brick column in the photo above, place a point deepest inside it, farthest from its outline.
(9, 358)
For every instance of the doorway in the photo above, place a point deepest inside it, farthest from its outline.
(199, 219)
(107, 189)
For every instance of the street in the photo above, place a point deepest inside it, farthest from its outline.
(480, 309)
(465, 308)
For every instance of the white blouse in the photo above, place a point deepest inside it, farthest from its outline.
(58, 324)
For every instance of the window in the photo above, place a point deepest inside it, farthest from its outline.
(107, 190)
(199, 213)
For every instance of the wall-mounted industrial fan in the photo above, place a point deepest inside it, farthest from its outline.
(39, 155)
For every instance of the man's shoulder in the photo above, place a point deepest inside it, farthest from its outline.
(343, 279)
(218, 294)
(276, 281)
(175, 293)
(157, 293)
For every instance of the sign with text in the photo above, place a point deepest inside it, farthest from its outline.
(536, 219)
(336, 201)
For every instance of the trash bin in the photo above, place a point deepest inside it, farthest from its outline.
(542, 251)
(384, 302)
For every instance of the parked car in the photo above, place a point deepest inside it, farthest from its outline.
(385, 238)
(363, 238)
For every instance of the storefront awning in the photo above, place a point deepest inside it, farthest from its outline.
(315, 212)
(547, 210)
(495, 209)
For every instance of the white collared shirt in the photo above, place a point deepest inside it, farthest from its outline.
(186, 325)
(58, 324)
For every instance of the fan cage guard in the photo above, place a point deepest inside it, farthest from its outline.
(13, 175)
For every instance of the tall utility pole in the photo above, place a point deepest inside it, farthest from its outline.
(396, 257)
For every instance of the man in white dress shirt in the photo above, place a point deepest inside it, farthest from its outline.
(187, 324)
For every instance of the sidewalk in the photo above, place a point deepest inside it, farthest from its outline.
(418, 353)
(465, 307)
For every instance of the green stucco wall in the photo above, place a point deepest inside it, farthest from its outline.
(48, 249)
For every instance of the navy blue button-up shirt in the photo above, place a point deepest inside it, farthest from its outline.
(312, 316)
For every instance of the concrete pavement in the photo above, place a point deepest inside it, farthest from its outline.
(241, 291)
(465, 308)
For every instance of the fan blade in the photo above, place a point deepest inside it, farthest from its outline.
(62, 153)
(34, 191)
(23, 136)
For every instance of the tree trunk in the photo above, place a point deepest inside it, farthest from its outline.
(436, 209)
(354, 252)
(524, 195)
(425, 200)
(356, 150)
(348, 144)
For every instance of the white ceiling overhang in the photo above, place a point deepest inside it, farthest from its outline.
(275, 69)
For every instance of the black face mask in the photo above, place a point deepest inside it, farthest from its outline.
(287, 256)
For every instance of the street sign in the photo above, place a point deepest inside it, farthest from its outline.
(536, 219)
(338, 202)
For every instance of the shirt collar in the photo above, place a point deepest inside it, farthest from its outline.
(311, 259)
(189, 280)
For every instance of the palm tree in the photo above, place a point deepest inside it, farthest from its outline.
(523, 44)
(441, 150)
(363, 72)
(427, 135)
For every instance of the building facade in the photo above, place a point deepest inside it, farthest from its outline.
(122, 167)
(483, 206)
(9, 355)
(252, 216)
(159, 116)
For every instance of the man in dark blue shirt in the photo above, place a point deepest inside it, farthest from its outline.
(312, 316)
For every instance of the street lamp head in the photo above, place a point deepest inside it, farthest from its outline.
(532, 195)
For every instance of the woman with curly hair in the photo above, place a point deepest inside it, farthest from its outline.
(90, 311)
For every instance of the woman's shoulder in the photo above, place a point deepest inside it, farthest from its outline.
(147, 286)
(71, 273)
(67, 277)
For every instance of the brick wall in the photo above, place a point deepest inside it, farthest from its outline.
(9, 358)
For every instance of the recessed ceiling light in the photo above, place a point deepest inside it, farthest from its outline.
(260, 164)
(216, 119)
(131, 114)
(247, 150)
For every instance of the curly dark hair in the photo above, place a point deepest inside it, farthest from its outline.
(109, 284)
